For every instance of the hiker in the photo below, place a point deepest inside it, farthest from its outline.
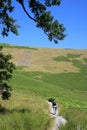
(54, 105)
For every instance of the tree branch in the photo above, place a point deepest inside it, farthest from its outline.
(27, 12)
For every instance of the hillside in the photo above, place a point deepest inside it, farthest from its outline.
(46, 60)
(43, 73)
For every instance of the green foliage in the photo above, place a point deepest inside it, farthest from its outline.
(6, 70)
(18, 47)
(67, 58)
(4, 45)
(41, 16)
(73, 55)
(85, 59)
(51, 99)
(76, 119)
(79, 64)
(61, 58)
(7, 23)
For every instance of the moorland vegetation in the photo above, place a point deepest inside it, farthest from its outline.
(27, 108)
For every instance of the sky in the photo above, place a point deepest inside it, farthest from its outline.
(71, 13)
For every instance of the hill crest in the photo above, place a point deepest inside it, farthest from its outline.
(48, 60)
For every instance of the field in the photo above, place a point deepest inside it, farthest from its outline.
(42, 74)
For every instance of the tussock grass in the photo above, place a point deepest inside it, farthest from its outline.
(45, 78)
(24, 112)
(69, 93)
(76, 119)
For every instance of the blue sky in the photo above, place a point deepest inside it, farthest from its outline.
(72, 13)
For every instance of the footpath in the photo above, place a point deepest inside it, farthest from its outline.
(58, 120)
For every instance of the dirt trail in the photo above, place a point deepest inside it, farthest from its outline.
(58, 120)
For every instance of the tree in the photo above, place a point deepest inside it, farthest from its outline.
(40, 15)
(6, 70)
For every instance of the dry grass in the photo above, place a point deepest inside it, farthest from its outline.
(42, 59)
(19, 101)
(24, 111)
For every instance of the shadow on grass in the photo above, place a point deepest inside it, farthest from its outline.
(4, 110)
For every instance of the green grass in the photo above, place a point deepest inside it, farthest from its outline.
(27, 109)
(58, 86)
(76, 119)
(24, 112)
(18, 47)
(61, 58)
(69, 90)
(73, 55)
(23, 121)
(68, 57)
(85, 59)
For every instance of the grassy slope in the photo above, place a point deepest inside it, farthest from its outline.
(68, 88)
(49, 86)
(43, 59)
(24, 112)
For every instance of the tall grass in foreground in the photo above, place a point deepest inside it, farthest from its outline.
(24, 112)
(23, 121)
(76, 120)
(73, 99)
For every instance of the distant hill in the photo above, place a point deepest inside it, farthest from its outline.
(46, 59)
